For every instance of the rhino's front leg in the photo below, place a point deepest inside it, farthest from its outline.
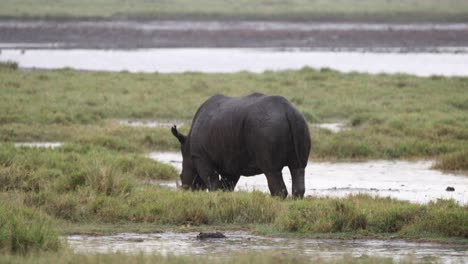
(198, 184)
(208, 174)
(229, 182)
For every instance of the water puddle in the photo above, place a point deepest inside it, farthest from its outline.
(332, 127)
(405, 180)
(237, 241)
(148, 123)
(39, 144)
(226, 60)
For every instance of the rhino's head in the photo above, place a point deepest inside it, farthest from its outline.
(189, 176)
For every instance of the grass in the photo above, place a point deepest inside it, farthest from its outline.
(453, 161)
(389, 116)
(74, 167)
(83, 184)
(336, 10)
(91, 189)
(100, 180)
(24, 230)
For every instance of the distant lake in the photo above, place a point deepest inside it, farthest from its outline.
(223, 60)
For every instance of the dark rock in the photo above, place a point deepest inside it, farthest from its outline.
(450, 189)
(204, 235)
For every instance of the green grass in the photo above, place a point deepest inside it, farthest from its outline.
(91, 189)
(83, 184)
(101, 181)
(389, 116)
(24, 230)
(74, 167)
(379, 10)
(453, 161)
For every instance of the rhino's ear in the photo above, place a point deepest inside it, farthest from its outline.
(178, 135)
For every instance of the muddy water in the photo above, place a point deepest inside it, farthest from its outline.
(226, 60)
(237, 242)
(406, 180)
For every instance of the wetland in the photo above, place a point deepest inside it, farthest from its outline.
(89, 169)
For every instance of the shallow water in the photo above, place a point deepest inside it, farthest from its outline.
(332, 127)
(234, 60)
(406, 180)
(176, 25)
(237, 242)
(39, 144)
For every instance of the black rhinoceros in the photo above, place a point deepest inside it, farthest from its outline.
(245, 136)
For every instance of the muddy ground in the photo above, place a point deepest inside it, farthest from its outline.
(125, 34)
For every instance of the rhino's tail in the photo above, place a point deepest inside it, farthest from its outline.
(300, 136)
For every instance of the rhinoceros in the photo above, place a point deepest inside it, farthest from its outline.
(245, 136)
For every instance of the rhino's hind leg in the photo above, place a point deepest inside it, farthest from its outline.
(276, 184)
(228, 182)
(298, 185)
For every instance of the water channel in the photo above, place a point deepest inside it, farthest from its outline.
(237, 242)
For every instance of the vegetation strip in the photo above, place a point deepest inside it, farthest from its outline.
(335, 10)
(388, 116)
(84, 184)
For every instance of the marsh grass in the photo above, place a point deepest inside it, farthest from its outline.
(85, 184)
(389, 116)
(88, 184)
(72, 167)
(8, 65)
(24, 230)
(370, 215)
(379, 10)
(360, 214)
(101, 177)
(453, 161)
(386, 119)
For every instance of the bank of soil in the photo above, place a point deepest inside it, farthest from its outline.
(133, 34)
